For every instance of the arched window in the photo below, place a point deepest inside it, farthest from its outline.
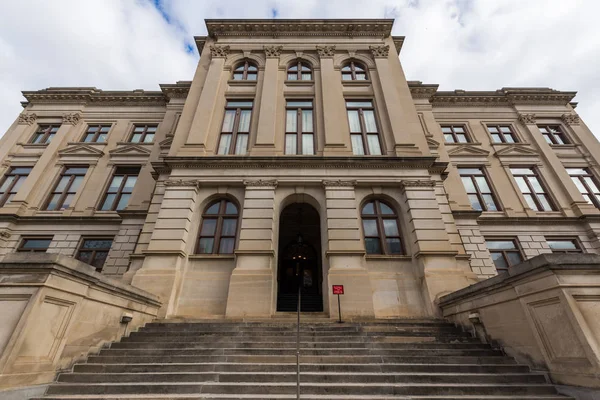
(246, 71)
(299, 71)
(219, 228)
(381, 229)
(354, 71)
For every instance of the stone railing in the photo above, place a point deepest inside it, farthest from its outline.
(544, 312)
(54, 310)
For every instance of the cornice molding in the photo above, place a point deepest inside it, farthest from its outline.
(326, 51)
(380, 51)
(398, 42)
(300, 27)
(261, 183)
(93, 96)
(71, 118)
(339, 183)
(219, 51)
(570, 119)
(418, 184)
(179, 90)
(273, 51)
(527, 118)
(195, 183)
(27, 118)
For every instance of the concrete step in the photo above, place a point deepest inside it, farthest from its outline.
(320, 377)
(304, 397)
(290, 338)
(315, 334)
(304, 345)
(303, 328)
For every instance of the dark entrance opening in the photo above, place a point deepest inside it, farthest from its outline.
(299, 261)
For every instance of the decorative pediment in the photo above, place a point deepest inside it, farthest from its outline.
(80, 150)
(432, 144)
(468, 151)
(130, 150)
(516, 150)
(166, 144)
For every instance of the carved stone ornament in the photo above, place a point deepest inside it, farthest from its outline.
(219, 51)
(527, 118)
(339, 183)
(71, 119)
(380, 51)
(570, 119)
(405, 184)
(4, 234)
(326, 51)
(261, 183)
(27, 118)
(183, 183)
(273, 51)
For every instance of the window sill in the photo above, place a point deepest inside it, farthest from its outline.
(211, 257)
(375, 257)
(33, 145)
(90, 143)
(463, 144)
(138, 143)
(232, 82)
(300, 83)
(356, 83)
(563, 146)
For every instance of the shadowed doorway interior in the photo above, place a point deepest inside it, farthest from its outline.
(299, 227)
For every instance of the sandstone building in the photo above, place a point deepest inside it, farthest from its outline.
(291, 129)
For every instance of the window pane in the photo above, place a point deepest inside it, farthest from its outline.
(462, 138)
(468, 183)
(76, 170)
(214, 209)
(136, 137)
(505, 129)
(475, 202)
(226, 246)
(76, 183)
(357, 145)
(531, 203)
(509, 138)
(130, 184)
(548, 139)
(123, 201)
(500, 244)
(97, 244)
(394, 246)
(7, 182)
(373, 246)
(499, 261)
(85, 256)
(370, 124)
(368, 209)
(62, 184)
(299, 103)
(251, 77)
(228, 121)
(290, 122)
(307, 121)
(53, 203)
(108, 202)
(115, 184)
(224, 143)
(489, 202)
(577, 171)
(579, 184)
(208, 227)
(308, 146)
(89, 137)
(242, 144)
(346, 77)
(292, 77)
(366, 104)
(229, 227)
(101, 138)
(306, 76)
(522, 185)
(522, 171)
(206, 245)
(290, 144)
(361, 77)
(354, 121)
(370, 227)
(68, 200)
(151, 129)
(385, 209)
(482, 183)
(100, 259)
(390, 226)
(252, 67)
(562, 245)
(537, 187)
(544, 201)
(514, 258)
(230, 208)
(36, 243)
(496, 138)
(149, 138)
(448, 138)
(238, 77)
(244, 125)
(374, 146)
(591, 184)
(239, 104)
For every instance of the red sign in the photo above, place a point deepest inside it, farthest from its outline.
(338, 289)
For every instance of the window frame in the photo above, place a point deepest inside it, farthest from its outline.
(299, 132)
(352, 72)
(235, 131)
(246, 64)
(119, 193)
(97, 133)
(502, 134)
(574, 240)
(299, 63)
(65, 191)
(379, 217)
(595, 202)
(46, 133)
(479, 193)
(363, 126)
(220, 217)
(24, 239)
(533, 193)
(144, 133)
(454, 134)
(7, 193)
(93, 251)
(552, 136)
(518, 249)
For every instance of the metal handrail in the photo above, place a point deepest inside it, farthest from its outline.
(298, 332)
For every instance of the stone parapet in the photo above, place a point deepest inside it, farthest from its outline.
(56, 310)
(544, 312)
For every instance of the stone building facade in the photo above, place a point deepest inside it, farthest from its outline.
(299, 139)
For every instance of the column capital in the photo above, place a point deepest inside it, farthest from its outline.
(219, 51)
(273, 51)
(261, 183)
(380, 51)
(71, 118)
(527, 118)
(27, 118)
(195, 183)
(339, 183)
(326, 51)
(570, 119)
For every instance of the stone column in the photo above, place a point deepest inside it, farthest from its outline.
(440, 269)
(346, 251)
(267, 117)
(166, 255)
(251, 288)
(337, 133)
(196, 141)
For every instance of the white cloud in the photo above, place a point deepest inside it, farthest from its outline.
(467, 44)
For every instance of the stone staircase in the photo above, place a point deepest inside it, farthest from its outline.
(400, 359)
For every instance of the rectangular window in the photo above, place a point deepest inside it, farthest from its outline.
(120, 189)
(553, 134)
(502, 134)
(94, 252)
(299, 131)
(532, 189)
(505, 253)
(143, 134)
(564, 245)
(35, 244)
(478, 189)
(66, 188)
(44, 134)
(236, 128)
(96, 134)
(364, 132)
(12, 182)
(587, 184)
(455, 134)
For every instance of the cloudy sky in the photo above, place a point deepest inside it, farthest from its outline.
(459, 44)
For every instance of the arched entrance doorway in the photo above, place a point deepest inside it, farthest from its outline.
(299, 259)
